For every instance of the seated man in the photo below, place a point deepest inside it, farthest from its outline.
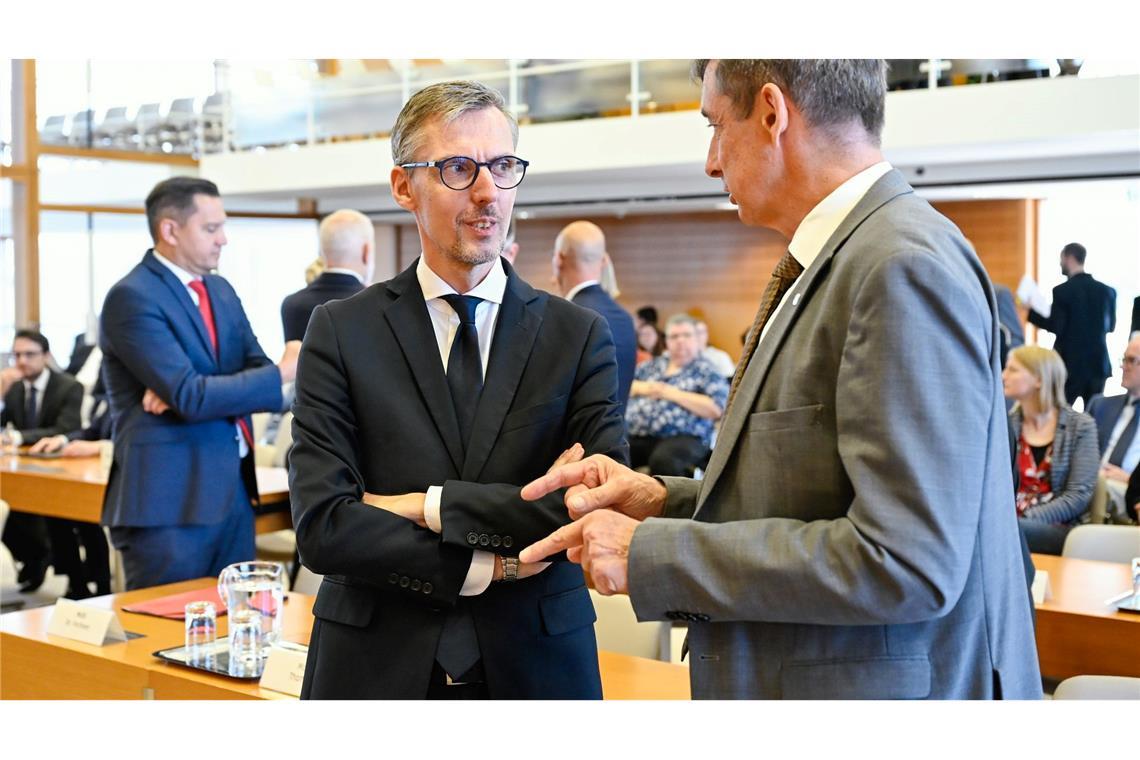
(42, 403)
(674, 401)
(66, 535)
(1116, 421)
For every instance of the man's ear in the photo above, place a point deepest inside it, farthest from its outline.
(402, 193)
(168, 231)
(771, 111)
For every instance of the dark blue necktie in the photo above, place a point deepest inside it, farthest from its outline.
(30, 408)
(464, 364)
(458, 649)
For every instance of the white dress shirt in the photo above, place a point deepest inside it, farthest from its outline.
(579, 288)
(445, 324)
(821, 223)
(186, 278)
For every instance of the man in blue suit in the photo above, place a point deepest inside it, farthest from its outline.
(183, 372)
(578, 262)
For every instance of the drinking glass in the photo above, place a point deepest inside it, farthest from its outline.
(245, 642)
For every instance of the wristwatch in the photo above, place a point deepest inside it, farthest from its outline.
(510, 569)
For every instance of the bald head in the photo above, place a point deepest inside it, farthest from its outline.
(579, 254)
(347, 242)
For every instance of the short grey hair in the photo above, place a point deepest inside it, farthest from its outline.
(830, 92)
(681, 319)
(446, 101)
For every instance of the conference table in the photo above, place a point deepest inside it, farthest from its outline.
(36, 665)
(1079, 632)
(73, 488)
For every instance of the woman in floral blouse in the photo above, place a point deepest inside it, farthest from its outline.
(674, 404)
(1056, 456)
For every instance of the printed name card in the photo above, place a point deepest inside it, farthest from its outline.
(1041, 590)
(285, 668)
(82, 622)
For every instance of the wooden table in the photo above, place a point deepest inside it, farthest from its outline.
(34, 665)
(73, 488)
(1078, 632)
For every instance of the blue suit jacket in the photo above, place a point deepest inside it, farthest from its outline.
(1106, 411)
(181, 467)
(621, 326)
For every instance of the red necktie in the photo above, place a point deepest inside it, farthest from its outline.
(207, 312)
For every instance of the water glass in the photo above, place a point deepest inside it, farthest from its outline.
(201, 630)
(245, 642)
(1136, 576)
(256, 586)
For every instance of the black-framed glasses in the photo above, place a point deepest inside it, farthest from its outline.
(460, 172)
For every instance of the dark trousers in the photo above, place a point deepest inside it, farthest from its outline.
(26, 537)
(169, 553)
(95, 566)
(1044, 538)
(1083, 387)
(677, 455)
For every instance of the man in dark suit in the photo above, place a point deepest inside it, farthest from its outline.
(348, 245)
(42, 403)
(1135, 316)
(1083, 312)
(578, 262)
(422, 404)
(1117, 419)
(183, 372)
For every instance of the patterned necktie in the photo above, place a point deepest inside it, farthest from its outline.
(458, 648)
(464, 364)
(207, 312)
(786, 271)
(1126, 436)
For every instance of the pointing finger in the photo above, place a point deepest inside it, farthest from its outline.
(564, 538)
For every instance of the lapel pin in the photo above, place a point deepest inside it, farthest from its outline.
(796, 299)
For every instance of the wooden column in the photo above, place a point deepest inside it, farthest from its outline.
(25, 192)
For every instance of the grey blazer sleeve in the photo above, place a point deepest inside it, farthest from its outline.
(1076, 462)
(899, 546)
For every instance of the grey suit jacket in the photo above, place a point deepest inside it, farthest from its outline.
(854, 535)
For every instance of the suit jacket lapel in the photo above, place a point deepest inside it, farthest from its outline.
(178, 291)
(221, 309)
(515, 332)
(889, 186)
(410, 323)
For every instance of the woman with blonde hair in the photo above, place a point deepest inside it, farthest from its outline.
(1056, 454)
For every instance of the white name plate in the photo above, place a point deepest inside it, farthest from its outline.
(1041, 590)
(82, 622)
(285, 668)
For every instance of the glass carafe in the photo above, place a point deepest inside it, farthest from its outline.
(257, 586)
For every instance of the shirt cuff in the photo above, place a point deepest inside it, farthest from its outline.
(479, 575)
(431, 508)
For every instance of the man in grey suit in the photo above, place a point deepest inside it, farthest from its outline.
(854, 534)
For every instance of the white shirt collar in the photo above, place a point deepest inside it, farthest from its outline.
(183, 276)
(492, 288)
(578, 288)
(342, 270)
(40, 383)
(823, 220)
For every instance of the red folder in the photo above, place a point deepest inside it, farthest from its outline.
(173, 607)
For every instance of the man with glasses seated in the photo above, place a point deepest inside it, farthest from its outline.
(41, 403)
(423, 404)
(1117, 418)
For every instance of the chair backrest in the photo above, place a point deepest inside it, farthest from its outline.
(1098, 687)
(1108, 543)
(1098, 507)
(617, 628)
(182, 105)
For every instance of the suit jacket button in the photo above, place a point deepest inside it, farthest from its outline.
(496, 540)
(484, 540)
(690, 617)
(404, 581)
(703, 617)
(508, 542)
(427, 589)
(415, 585)
(671, 614)
(394, 578)
(472, 538)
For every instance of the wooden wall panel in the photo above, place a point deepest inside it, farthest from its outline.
(711, 265)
